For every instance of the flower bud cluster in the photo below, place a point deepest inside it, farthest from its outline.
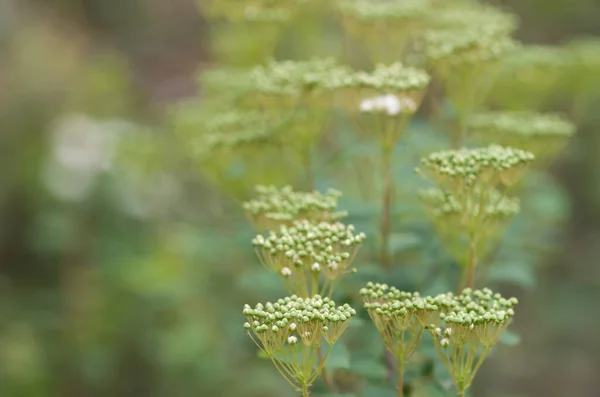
(400, 317)
(389, 302)
(473, 14)
(469, 165)
(475, 316)
(275, 207)
(465, 46)
(541, 134)
(522, 123)
(395, 78)
(304, 251)
(295, 320)
(369, 12)
(469, 325)
(295, 78)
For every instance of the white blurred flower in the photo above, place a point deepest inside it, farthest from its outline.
(389, 104)
(292, 340)
(315, 267)
(286, 272)
(80, 149)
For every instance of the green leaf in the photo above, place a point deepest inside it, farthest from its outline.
(339, 358)
(371, 368)
(400, 242)
(514, 272)
(378, 391)
(510, 338)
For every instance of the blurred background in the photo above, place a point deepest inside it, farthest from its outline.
(123, 271)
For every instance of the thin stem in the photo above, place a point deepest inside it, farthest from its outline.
(386, 205)
(461, 393)
(308, 169)
(400, 378)
(328, 381)
(472, 262)
(304, 390)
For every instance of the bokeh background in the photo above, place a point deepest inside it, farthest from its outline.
(123, 271)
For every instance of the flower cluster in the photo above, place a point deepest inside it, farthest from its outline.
(388, 104)
(394, 78)
(305, 252)
(472, 14)
(469, 325)
(369, 12)
(527, 76)
(541, 134)
(297, 320)
(291, 330)
(275, 207)
(400, 317)
(491, 165)
(449, 47)
(296, 78)
(253, 11)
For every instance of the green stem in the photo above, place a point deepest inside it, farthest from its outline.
(386, 205)
(400, 378)
(472, 262)
(461, 393)
(304, 390)
(308, 168)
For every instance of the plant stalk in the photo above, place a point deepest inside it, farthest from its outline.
(472, 262)
(400, 379)
(304, 390)
(386, 205)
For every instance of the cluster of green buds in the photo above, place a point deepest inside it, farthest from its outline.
(255, 11)
(382, 101)
(400, 317)
(487, 214)
(461, 171)
(470, 324)
(291, 331)
(474, 182)
(383, 26)
(275, 207)
(286, 83)
(526, 77)
(464, 55)
(471, 14)
(541, 134)
(309, 257)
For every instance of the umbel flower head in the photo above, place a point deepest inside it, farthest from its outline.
(485, 214)
(382, 101)
(541, 134)
(263, 11)
(469, 325)
(471, 14)
(383, 26)
(291, 330)
(400, 317)
(285, 83)
(306, 253)
(527, 77)
(459, 171)
(275, 207)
